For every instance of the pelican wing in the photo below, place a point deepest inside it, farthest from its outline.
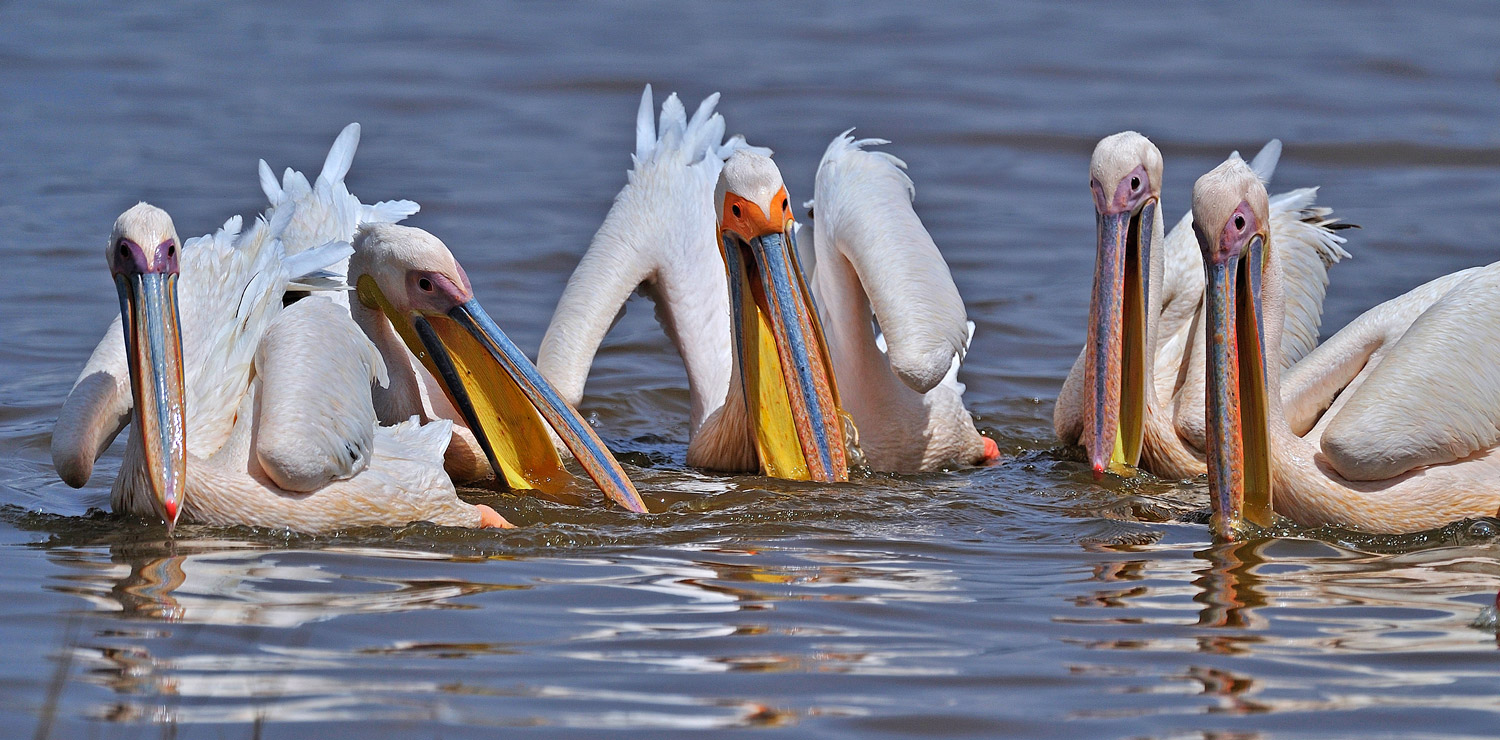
(324, 211)
(96, 409)
(864, 213)
(1308, 246)
(315, 417)
(1434, 396)
(658, 236)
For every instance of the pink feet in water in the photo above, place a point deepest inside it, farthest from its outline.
(991, 451)
(491, 519)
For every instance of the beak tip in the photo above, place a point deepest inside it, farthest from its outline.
(171, 507)
(1098, 471)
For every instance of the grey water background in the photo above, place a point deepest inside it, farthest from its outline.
(1019, 600)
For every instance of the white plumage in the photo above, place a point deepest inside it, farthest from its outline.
(324, 211)
(279, 425)
(875, 258)
(660, 236)
(1412, 397)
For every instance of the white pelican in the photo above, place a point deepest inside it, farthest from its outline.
(713, 243)
(1135, 393)
(240, 411)
(1409, 437)
(506, 432)
(414, 297)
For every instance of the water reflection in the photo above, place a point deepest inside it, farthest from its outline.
(237, 583)
(1228, 587)
(1274, 618)
(221, 631)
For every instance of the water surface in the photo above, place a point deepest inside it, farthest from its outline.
(1019, 600)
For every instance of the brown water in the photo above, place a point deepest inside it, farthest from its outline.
(1019, 600)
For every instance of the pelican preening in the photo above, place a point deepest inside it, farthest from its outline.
(1391, 425)
(245, 412)
(1135, 394)
(773, 323)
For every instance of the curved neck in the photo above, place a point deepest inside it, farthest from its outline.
(402, 398)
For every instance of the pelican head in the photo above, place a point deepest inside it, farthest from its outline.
(1125, 176)
(1231, 222)
(142, 254)
(784, 366)
(410, 276)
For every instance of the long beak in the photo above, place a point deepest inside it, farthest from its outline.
(505, 400)
(1239, 462)
(784, 364)
(1117, 371)
(153, 346)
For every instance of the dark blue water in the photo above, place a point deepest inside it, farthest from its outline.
(1022, 600)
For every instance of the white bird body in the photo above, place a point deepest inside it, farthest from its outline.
(1173, 420)
(1411, 389)
(660, 237)
(1409, 441)
(324, 211)
(280, 430)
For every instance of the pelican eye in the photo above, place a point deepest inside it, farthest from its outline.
(1135, 183)
(785, 206)
(124, 251)
(171, 250)
(736, 210)
(425, 285)
(1239, 221)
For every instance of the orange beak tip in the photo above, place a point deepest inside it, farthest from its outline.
(491, 519)
(991, 451)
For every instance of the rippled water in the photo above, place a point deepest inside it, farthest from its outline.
(1019, 600)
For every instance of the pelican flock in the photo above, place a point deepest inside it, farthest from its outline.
(329, 368)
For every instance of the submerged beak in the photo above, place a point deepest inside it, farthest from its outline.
(503, 397)
(783, 358)
(153, 347)
(1239, 464)
(1117, 373)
